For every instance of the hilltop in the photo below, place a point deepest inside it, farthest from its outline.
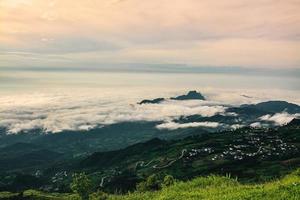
(191, 95)
(275, 106)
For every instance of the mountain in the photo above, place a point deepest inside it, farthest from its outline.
(107, 138)
(121, 135)
(25, 156)
(111, 158)
(246, 153)
(190, 96)
(295, 122)
(275, 107)
(142, 149)
(18, 148)
(250, 154)
(154, 101)
(248, 111)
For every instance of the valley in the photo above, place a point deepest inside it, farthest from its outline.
(248, 144)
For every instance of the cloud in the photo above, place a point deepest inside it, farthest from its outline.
(278, 118)
(256, 125)
(85, 111)
(173, 125)
(53, 46)
(76, 108)
(237, 126)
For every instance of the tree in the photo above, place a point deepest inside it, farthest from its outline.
(153, 182)
(142, 186)
(81, 185)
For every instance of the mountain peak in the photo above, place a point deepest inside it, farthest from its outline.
(278, 106)
(153, 101)
(294, 122)
(193, 94)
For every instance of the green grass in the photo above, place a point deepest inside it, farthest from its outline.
(206, 188)
(5, 195)
(37, 195)
(225, 188)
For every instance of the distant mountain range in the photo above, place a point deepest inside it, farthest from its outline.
(274, 107)
(120, 135)
(250, 154)
(191, 95)
(240, 152)
(234, 146)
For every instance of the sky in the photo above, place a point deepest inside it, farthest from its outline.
(76, 65)
(103, 33)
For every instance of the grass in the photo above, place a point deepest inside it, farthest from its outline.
(37, 195)
(206, 188)
(225, 188)
(6, 195)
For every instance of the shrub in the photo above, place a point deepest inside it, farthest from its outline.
(142, 186)
(168, 181)
(81, 185)
(153, 182)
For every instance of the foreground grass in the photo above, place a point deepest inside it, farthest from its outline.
(209, 188)
(215, 188)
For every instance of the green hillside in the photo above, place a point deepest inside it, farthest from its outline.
(210, 188)
(251, 155)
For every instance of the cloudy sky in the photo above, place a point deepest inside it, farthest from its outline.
(65, 33)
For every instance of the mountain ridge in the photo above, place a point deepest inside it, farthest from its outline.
(191, 95)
